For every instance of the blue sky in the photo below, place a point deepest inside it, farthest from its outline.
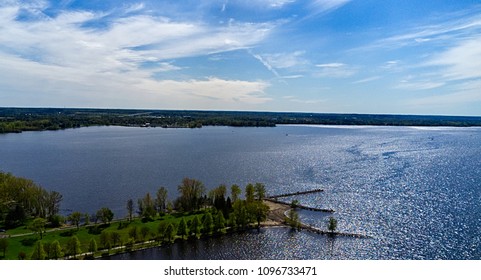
(339, 56)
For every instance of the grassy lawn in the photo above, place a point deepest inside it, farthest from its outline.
(86, 233)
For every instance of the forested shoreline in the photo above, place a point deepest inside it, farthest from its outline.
(14, 120)
(37, 231)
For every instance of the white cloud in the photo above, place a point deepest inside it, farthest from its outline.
(67, 86)
(275, 4)
(286, 60)
(275, 61)
(335, 70)
(135, 8)
(418, 85)
(323, 6)
(331, 65)
(465, 94)
(366, 80)
(445, 31)
(296, 99)
(462, 61)
(106, 63)
(266, 64)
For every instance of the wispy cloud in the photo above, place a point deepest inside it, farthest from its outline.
(466, 93)
(276, 4)
(135, 8)
(462, 61)
(418, 85)
(334, 70)
(366, 80)
(447, 29)
(303, 101)
(324, 6)
(109, 61)
(266, 64)
(286, 60)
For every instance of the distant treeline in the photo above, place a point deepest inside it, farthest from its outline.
(32, 119)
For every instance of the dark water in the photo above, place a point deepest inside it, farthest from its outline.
(417, 192)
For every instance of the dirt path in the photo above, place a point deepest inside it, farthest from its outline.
(276, 213)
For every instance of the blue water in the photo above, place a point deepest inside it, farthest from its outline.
(416, 191)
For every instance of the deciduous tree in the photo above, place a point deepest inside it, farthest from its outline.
(235, 192)
(259, 191)
(115, 237)
(105, 215)
(144, 232)
(250, 193)
(191, 193)
(105, 239)
(161, 200)
(38, 226)
(130, 208)
(3, 245)
(74, 218)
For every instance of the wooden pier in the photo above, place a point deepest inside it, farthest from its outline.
(335, 233)
(296, 193)
(303, 207)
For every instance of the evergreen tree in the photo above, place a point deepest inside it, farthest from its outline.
(170, 232)
(195, 226)
(332, 224)
(233, 220)
(208, 223)
(92, 246)
(38, 251)
(182, 230)
(228, 207)
(219, 223)
(293, 219)
(73, 246)
(55, 251)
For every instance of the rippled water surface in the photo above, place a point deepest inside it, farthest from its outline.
(416, 191)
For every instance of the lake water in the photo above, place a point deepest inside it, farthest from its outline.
(416, 191)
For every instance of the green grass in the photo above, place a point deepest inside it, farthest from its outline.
(26, 243)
